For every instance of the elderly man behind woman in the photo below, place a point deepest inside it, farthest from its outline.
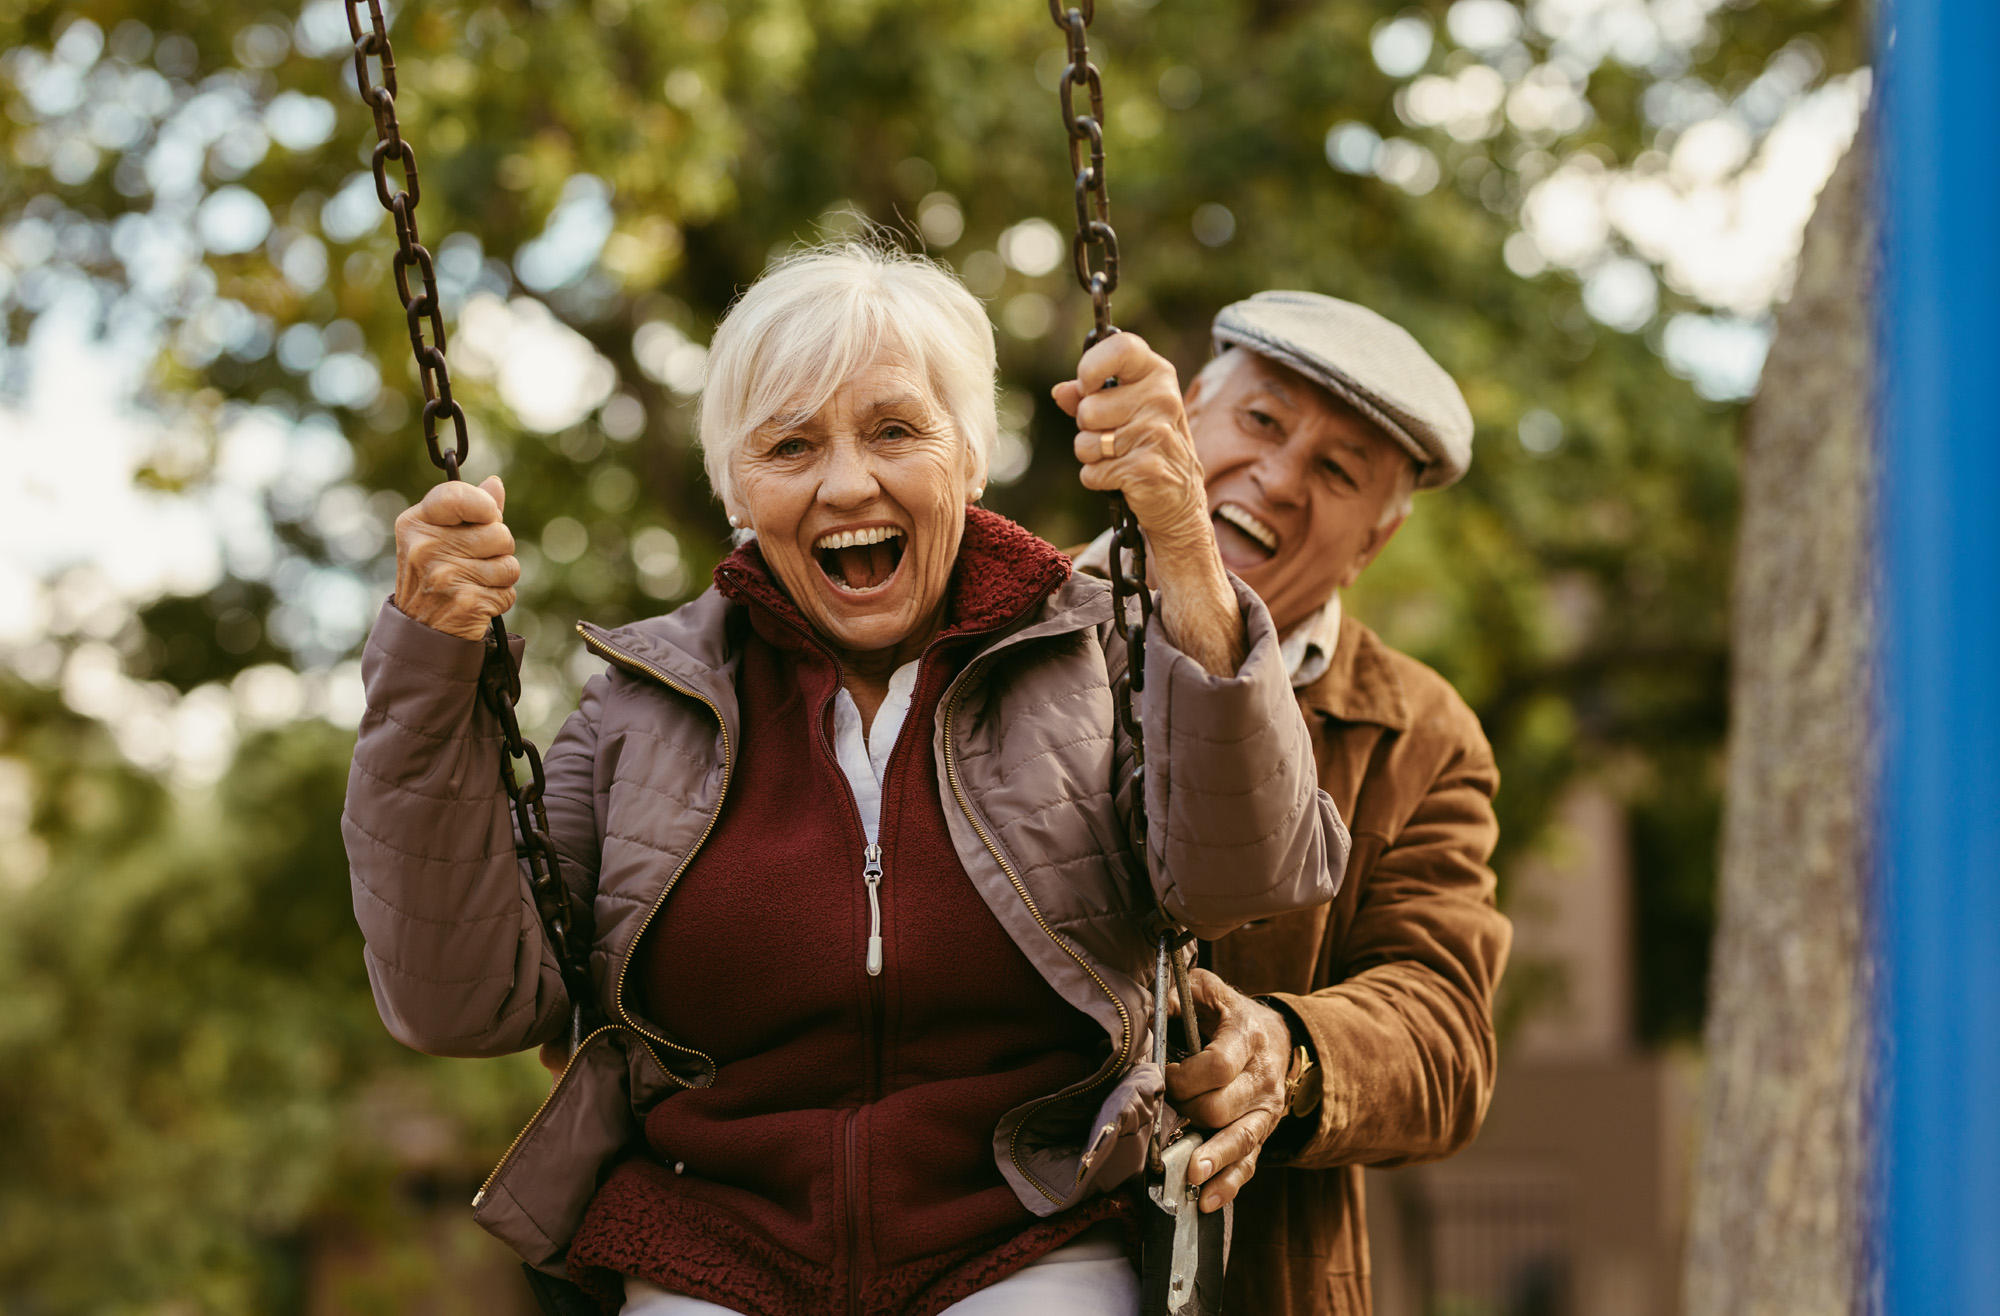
(855, 828)
(1315, 422)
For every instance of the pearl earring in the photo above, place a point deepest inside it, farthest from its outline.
(978, 493)
(735, 521)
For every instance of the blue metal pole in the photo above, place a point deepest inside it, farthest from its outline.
(1939, 894)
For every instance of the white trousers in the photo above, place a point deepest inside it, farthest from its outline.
(1090, 1277)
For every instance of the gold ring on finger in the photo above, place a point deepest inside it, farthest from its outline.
(1107, 445)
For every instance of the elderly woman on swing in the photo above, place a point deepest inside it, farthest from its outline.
(854, 828)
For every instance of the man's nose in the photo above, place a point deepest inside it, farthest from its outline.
(1281, 473)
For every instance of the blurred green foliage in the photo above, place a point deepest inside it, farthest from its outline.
(192, 1051)
(194, 1064)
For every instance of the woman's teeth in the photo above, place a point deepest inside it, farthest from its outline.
(857, 561)
(1246, 521)
(874, 534)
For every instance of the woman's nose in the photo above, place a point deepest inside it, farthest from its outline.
(849, 477)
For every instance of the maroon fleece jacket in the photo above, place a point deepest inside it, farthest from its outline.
(843, 1158)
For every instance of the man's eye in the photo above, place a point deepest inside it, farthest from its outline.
(1335, 471)
(1263, 419)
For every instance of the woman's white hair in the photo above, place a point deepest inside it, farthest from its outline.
(816, 318)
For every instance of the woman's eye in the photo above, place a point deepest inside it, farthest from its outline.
(789, 448)
(895, 431)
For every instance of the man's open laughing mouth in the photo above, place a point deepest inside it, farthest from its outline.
(860, 561)
(1245, 539)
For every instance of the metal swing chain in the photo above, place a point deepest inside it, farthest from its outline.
(1128, 543)
(499, 685)
(1183, 1252)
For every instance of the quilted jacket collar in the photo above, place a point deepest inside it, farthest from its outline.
(1006, 578)
(1002, 571)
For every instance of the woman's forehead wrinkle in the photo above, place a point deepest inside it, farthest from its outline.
(906, 401)
(793, 420)
(830, 413)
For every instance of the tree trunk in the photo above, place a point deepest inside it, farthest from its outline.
(1779, 1224)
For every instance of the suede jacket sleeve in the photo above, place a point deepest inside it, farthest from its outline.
(1237, 825)
(1405, 1039)
(455, 950)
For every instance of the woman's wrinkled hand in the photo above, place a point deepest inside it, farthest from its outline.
(455, 567)
(1134, 438)
(1234, 1086)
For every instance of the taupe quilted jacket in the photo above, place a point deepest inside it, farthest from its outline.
(1035, 779)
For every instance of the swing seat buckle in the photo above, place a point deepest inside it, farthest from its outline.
(1183, 1250)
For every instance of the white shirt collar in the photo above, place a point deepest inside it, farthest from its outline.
(863, 756)
(1308, 649)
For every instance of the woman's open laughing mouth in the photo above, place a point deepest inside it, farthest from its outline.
(860, 561)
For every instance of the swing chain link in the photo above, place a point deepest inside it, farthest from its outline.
(561, 911)
(424, 308)
(1093, 201)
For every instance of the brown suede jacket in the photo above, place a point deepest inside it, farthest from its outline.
(1393, 980)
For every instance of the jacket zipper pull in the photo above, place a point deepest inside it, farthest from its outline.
(871, 873)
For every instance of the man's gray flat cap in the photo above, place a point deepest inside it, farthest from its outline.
(1365, 360)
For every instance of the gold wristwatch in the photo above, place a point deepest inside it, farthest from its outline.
(1303, 1083)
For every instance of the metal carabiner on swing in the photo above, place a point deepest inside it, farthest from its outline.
(1183, 1251)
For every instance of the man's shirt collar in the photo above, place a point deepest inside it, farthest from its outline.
(1309, 647)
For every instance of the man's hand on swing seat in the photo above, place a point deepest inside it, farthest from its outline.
(1234, 1086)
